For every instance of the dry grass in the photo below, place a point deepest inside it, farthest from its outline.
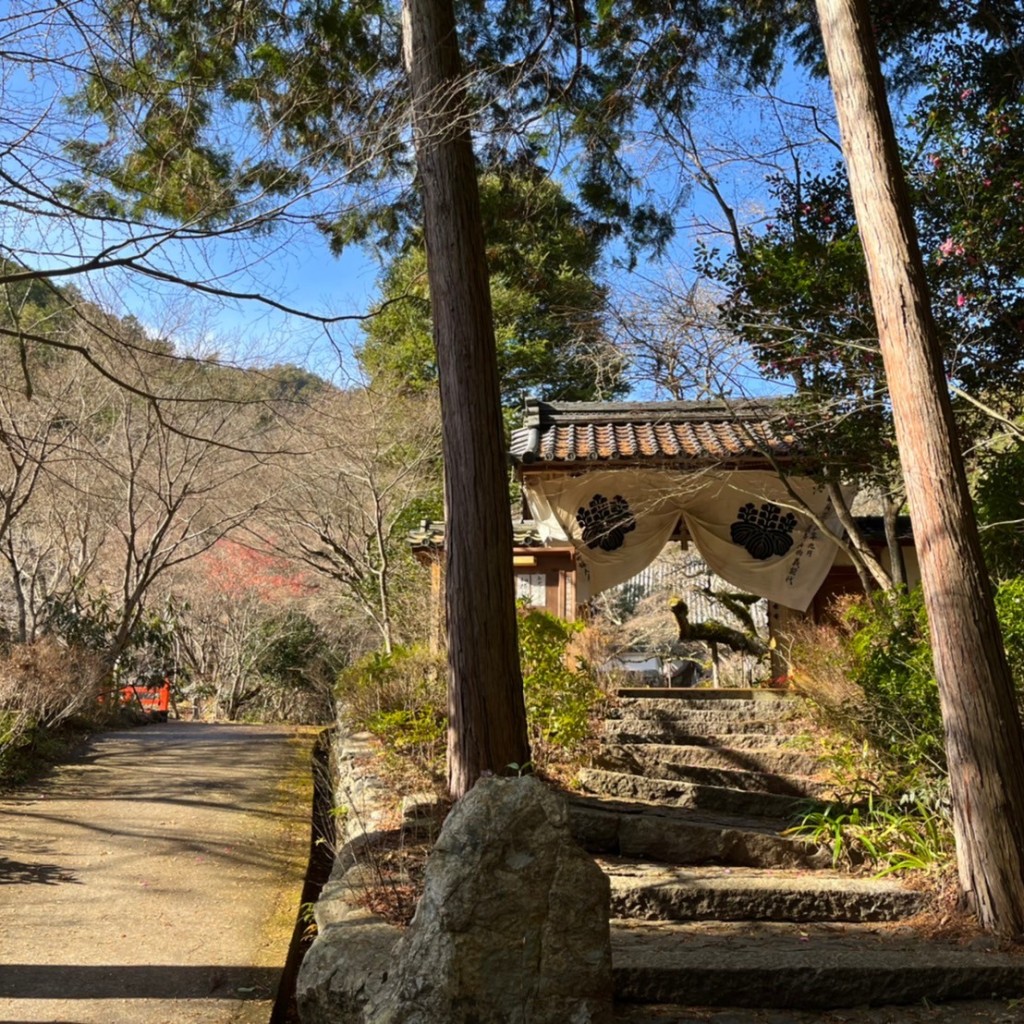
(398, 885)
(947, 919)
(43, 687)
(822, 670)
(47, 681)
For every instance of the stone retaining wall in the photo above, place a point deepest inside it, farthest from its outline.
(348, 962)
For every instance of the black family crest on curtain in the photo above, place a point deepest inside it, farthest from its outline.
(765, 532)
(605, 523)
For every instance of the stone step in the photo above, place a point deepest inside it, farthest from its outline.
(799, 967)
(637, 759)
(718, 734)
(680, 836)
(659, 892)
(697, 796)
(708, 694)
(960, 1011)
(703, 712)
(655, 758)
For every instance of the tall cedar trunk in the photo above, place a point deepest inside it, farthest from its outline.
(486, 713)
(983, 734)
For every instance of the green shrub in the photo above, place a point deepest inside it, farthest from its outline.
(891, 662)
(872, 675)
(419, 734)
(1010, 609)
(560, 697)
(889, 772)
(407, 679)
(400, 698)
(295, 663)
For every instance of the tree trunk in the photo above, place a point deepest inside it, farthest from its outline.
(890, 520)
(18, 586)
(984, 742)
(486, 713)
(870, 571)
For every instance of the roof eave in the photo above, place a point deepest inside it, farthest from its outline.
(538, 465)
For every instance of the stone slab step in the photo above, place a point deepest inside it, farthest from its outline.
(691, 764)
(704, 712)
(764, 759)
(923, 1011)
(659, 892)
(678, 793)
(680, 836)
(723, 733)
(801, 967)
(707, 694)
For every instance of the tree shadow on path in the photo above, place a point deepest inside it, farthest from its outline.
(14, 872)
(143, 981)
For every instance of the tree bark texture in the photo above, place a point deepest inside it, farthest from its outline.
(983, 733)
(487, 717)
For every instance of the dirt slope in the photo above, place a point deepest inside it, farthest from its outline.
(155, 878)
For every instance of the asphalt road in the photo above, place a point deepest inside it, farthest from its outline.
(155, 878)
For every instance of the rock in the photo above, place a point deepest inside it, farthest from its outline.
(422, 814)
(986, 943)
(513, 924)
(344, 970)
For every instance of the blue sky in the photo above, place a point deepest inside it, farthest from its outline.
(294, 265)
(301, 271)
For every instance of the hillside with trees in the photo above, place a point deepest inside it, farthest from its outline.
(143, 531)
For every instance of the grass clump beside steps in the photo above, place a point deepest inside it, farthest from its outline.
(401, 699)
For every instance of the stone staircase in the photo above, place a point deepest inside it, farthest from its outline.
(713, 904)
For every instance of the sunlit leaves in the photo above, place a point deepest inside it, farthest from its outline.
(970, 182)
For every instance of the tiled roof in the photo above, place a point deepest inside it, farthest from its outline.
(689, 433)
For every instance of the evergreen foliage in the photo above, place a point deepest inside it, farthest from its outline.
(561, 694)
(797, 289)
(1000, 509)
(542, 254)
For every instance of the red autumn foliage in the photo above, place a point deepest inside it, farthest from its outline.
(239, 570)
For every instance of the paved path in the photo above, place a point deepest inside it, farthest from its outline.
(155, 878)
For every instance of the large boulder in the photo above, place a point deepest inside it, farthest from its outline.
(513, 924)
